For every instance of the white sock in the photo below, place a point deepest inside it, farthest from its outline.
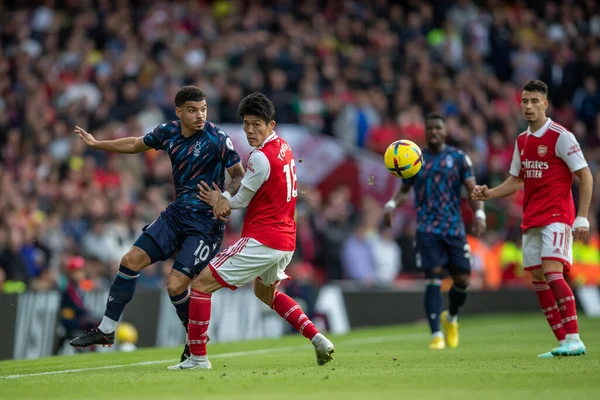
(573, 336)
(107, 325)
(452, 318)
(199, 358)
(437, 334)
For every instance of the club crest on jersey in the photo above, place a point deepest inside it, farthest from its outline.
(542, 150)
(449, 161)
(197, 148)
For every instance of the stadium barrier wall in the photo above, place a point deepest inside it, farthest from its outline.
(30, 320)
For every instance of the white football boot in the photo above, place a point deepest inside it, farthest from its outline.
(323, 349)
(193, 362)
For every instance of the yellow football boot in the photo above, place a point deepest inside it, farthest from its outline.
(450, 330)
(437, 343)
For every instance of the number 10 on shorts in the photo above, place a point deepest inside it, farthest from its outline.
(203, 251)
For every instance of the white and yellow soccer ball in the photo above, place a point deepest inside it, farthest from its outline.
(127, 336)
(403, 158)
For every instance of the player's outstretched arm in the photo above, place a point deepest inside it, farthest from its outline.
(398, 200)
(128, 145)
(237, 174)
(510, 186)
(581, 226)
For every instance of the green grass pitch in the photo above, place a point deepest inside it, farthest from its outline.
(496, 360)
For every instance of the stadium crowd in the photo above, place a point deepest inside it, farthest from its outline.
(363, 72)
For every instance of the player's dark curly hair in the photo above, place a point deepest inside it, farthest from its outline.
(536, 86)
(433, 115)
(188, 93)
(259, 105)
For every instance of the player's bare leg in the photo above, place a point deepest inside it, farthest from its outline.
(565, 300)
(121, 293)
(289, 310)
(457, 296)
(203, 286)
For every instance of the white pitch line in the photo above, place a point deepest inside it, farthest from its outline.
(359, 341)
(379, 339)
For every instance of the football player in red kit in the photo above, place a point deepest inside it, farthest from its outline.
(545, 158)
(268, 237)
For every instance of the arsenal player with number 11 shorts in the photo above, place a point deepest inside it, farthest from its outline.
(546, 157)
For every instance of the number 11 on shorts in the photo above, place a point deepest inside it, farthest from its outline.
(556, 235)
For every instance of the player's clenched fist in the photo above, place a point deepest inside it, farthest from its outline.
(480, 192)
(221, 206)
(222, 209)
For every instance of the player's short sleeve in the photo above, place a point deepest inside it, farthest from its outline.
(155, 139)
(570, 152)
(466, 167)
(515, 164)
(228, 154)
(258, 170)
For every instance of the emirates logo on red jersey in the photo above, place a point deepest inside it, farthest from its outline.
(542, 150)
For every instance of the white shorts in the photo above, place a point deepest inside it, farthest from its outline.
(247, 260)
(552, 242)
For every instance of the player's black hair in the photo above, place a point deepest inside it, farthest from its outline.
(433, 115)
(259, 105)
(188, 93)
(536, 86)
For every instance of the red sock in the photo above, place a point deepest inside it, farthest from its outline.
(550, 309)
(564, 300)
(289, 310)
(198, 324)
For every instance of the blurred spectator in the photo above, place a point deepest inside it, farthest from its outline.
(388, 256)
(358, 259)
(74, 316)
(12, 264)
(334, 227)
(363, 73)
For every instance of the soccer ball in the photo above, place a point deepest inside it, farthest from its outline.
(403, 158)
(126, 333)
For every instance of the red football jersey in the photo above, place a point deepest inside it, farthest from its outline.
(270, 215)
(546, 160)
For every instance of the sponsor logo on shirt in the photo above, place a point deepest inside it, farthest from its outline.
(534, 169)
(573, 150)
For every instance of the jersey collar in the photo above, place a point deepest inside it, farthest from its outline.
(272, 136)
(540, 132)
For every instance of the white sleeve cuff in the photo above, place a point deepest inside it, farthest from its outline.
(227, 195)
(581, 222)
(390, 205)
(242, 198)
